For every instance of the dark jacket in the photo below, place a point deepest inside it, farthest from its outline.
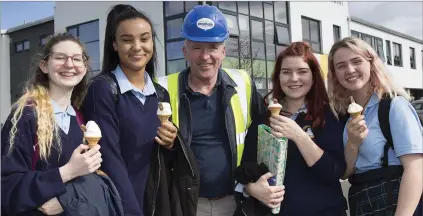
(93, 195)
(185, 188)
(306, 186)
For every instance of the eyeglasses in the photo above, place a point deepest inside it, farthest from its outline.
(59, 58)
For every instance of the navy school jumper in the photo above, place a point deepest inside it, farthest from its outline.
(24, 190)
(128, 128)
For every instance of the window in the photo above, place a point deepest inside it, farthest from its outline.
(336, 33)
(44, 39)
(232, 24)
(355, 34)
(367, 38)
(311, 33)
(174, 28)
(228, 5)
(19, 47)
(379, 48)
(281, 14)
(388, 52)
(282, 35)
(88, 34)
(257, 30)
(412, 58)
(22, 46)
(268, 11)
(173, 7)
(397, 55)
(256, 8)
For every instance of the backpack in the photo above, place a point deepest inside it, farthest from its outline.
(35, 154)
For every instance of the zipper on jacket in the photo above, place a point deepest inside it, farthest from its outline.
(158, 183)
(189, 135)
(234, 155)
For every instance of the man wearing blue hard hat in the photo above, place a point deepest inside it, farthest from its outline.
(213, 108)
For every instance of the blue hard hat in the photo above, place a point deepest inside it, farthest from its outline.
(205, 23)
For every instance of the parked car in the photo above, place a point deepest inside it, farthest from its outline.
(418, 105)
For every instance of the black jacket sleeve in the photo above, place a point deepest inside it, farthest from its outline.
(100, 105)
(23, 189)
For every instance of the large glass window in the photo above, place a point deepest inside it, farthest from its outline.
(88, 33)
(311, 33)
(259, 31)
(388, 52)
(355, 34)
(412, 58)
(397, 54)
(367, 38)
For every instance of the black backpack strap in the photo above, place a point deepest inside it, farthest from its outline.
(383, 115)
(111, 79)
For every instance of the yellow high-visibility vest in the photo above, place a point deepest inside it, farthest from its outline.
(240, 103)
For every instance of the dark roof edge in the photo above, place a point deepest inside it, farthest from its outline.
(31, 24)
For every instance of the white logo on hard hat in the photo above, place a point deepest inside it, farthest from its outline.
(205, 23)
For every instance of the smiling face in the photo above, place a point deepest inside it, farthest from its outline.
(295, 77)
(65, 65)
(204, 58)
(351, 69)
(134, 44)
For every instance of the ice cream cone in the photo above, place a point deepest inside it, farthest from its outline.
(355, 115)
(275, 110)
(163, 118)
(92, 141)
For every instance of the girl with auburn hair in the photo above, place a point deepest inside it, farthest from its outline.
(386, 171)
(315, 159)
(44, 121)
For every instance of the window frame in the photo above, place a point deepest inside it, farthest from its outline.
(355, 33)
(412, 51)
(336, 33)
(388, 52)
(400, 54)
(320, 51)
(44, 37)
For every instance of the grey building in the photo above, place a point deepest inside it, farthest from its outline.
(25, 41)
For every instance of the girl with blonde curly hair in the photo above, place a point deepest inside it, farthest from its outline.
(386, 172)
(41, 139)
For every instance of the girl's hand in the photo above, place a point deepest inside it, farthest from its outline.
(271, 196)
(286, 127)
(166, 135)
(357, 131)
(80, 163)
(51, 207)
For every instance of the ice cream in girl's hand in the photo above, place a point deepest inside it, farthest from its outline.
(274, 107)
(92, 133)
(354, 109)
(164, 111)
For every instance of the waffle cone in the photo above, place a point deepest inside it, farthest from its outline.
(92, 141)
(275, 110)
(163, 118)
(355, 115)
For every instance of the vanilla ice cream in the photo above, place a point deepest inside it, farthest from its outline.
(354, 109)
(92, 130)
(274, 107)
(164, 111)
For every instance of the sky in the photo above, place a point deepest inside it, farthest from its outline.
(405, 17)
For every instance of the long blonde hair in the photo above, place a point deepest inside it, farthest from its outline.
(36, 95)
(380, 81)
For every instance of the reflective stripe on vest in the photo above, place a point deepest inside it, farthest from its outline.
(240, 103)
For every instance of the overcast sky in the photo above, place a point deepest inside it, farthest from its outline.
(405, 17)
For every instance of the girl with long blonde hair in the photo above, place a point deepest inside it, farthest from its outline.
(41, 139)
(386, 171)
